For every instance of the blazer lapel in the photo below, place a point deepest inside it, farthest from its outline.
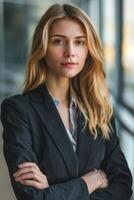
(84, 146)
(46, 109)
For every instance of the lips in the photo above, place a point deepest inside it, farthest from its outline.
(69, 63)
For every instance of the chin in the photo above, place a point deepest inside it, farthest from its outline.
(71, 75)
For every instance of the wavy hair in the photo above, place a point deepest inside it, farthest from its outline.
(89, 86)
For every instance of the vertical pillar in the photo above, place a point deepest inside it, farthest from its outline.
(118, 58)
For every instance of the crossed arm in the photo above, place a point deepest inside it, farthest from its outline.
(29, 174)
(30, 183)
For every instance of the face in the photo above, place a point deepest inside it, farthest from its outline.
(67, 48)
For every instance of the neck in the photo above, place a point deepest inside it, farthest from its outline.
(58, 89)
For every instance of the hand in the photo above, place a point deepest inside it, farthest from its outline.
(103, 178)
(95, 179)
(29, 174)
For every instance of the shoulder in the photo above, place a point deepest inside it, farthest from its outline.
(15, 105)
(16, 100)
(21, 103)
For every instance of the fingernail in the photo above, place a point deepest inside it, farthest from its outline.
(22, 182)
(14, 175)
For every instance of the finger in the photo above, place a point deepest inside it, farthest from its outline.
(22, 171)
(26, 170)
(28, 164)
(32, 176)
(105, 183)
(103, 173)
(31, 183)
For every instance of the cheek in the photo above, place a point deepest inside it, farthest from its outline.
(83, 55)
(82, 60)
(50, 57)
(53, 56)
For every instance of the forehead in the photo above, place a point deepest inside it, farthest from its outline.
(68, 26)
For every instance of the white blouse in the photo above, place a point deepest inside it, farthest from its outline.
(73, 119)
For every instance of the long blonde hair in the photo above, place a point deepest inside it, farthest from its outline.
(88, 87)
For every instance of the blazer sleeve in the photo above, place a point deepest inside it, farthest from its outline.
(118, 173)
(18, 148)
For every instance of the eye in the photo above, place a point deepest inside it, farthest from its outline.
(58, 41)
(80, 42)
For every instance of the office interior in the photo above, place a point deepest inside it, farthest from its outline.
(114, 22)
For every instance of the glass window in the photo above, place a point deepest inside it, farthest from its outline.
(128, 149)
(128, 52)
(108, 38)
(93, 10)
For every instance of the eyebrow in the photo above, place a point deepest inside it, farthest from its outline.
(63, 36)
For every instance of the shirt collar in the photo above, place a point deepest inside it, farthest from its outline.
(72, 102)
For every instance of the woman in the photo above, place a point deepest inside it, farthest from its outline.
(60, 140)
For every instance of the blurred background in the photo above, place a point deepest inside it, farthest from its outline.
(114, 22)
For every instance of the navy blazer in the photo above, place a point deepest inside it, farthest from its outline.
(33, 131)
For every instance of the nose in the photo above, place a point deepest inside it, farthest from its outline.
(69, 50)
